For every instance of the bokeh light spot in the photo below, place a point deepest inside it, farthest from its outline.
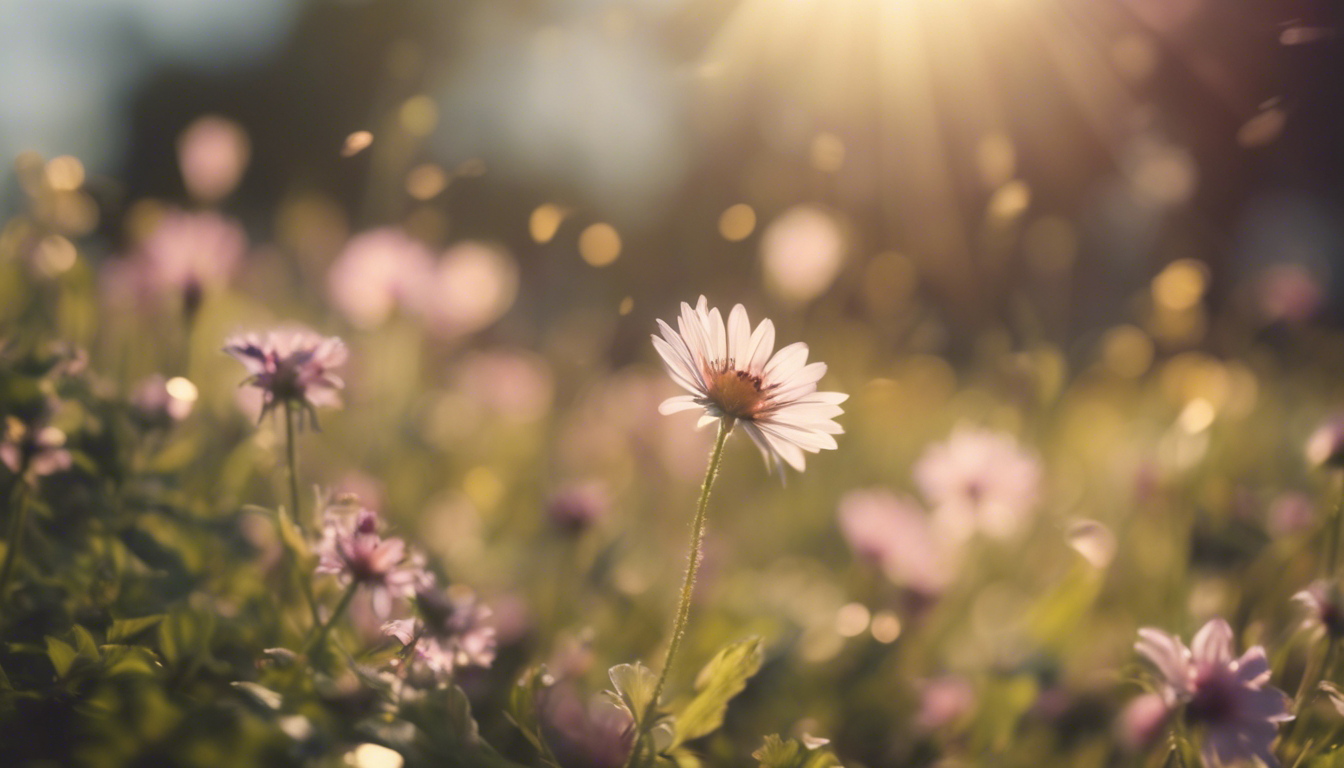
(545, 221)
(419, 115)
(355, 143)
(737, 222)
(1127, 350)
(426, 181)
(1181, 285)
(852, 619)
(599, 244)
(886, 627)
(65, 173)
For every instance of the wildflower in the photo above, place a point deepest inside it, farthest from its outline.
(291, 366)
(352, 548)
(33, 450)
(732, 375)
(575, 508)
(377, 271)
(189, 253)
(1230, 698)
(1325, 447)
(453, 632)
(943, 701)
(1141, 723)
(894, 534)
(979, 479)
(1324, 607)
(599, 734)
(212, 153)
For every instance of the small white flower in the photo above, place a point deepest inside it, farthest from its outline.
(732, 375)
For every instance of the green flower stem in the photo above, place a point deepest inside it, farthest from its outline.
(1336, 519)
(323, 630)
(291, 457)
(18, 523)
(692, 566)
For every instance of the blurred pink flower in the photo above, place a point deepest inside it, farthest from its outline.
(1231, 698)
(33, 450)
(894, 534)
(1325, 447)
(453, 632)
(188, 253)
(377, 272)
(1324, 606)
(155, 405)
(598, 734)
(1291, 512)
(353, 549)
(576, 507)
(212, 153)
(731, 374)
(291, 365)
(1142, 722)
(1288, 292)
(943, 700)
(979, 480)
(472, 286)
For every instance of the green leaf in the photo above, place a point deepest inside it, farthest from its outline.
(123, 630)
(634, 685)
(85, 643)
(721, 679)
(522, 711)
(795, 753)
(61, 654)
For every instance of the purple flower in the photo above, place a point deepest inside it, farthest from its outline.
(34, 450)
(1324, 607)
(453, 631)
(979, 480)
(353, 549)
(894, 534)
(1229, 698)
(291, 365)
(598, 733)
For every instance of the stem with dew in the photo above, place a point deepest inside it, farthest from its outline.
(692, 566)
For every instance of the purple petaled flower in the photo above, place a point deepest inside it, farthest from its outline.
(575, 508)
(979, 480)
(353, 549)
(33, 450)
(292, 366)
(1324, 606)
(1230, 698)
(597, 734)
(453, 632)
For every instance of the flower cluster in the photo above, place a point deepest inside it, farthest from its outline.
(353, 549)
(453, 631)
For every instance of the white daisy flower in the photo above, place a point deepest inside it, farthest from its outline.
(731, 374)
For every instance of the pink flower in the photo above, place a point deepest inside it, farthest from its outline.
(576, 507)
(453, 632)
(598, 734)
(1324, 607)
(1230, 698)
(1141, 723)
(352, 548)
(33, 450)
(943, 700)
(377, 272)
(979, 480)
(894, 534)
(212, 152)
(188, 253)
(295, 365)
(1325, 447)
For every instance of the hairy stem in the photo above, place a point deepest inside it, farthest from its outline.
(692, 566)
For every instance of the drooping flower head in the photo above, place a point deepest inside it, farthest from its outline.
(353, 549)
(453, 631)
(291, 365)
(979, 480)
(1229, 698)
(1324, 607)
(732, 375)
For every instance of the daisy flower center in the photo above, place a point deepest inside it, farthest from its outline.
(736, 393)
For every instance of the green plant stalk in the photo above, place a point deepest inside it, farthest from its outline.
(292, 461)
(325, 628)
(1336, 519)
(15, 538)
(692, 566)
